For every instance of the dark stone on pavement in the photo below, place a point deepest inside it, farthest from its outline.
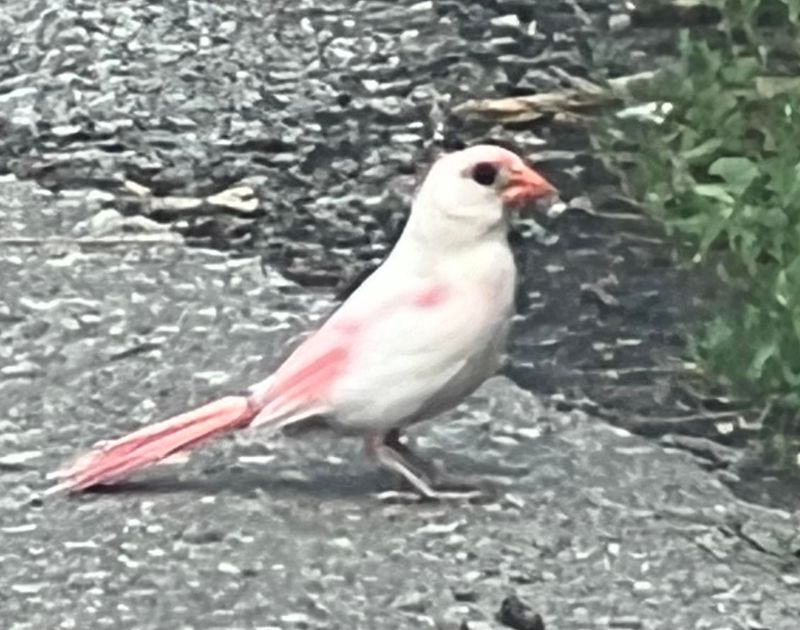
(516, 614)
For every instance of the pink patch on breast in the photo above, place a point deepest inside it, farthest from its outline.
(431, 297)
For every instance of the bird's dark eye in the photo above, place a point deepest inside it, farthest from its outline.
(484, 173)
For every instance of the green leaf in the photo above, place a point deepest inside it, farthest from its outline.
(773, 218)
(791, 377)
(769, 87)
(781, 284)
(703, 149)
(763, 354)
(738, 172)
(741, 71)
(715, 191)
(794, 9)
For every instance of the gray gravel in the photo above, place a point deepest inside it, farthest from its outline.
(121, 124)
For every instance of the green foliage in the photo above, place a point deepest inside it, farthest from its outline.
(722, 171)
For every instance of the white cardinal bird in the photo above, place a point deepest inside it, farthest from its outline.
(420, 334)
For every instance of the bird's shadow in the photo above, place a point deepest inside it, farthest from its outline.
(245, 483)
(329, 484)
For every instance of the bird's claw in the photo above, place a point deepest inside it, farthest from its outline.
(407, 497)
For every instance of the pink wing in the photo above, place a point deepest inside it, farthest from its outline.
(302, 385)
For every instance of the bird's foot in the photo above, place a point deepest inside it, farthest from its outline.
(413, 496)
(475, 489)
(426, 481)
(445, 487)
(449, 482)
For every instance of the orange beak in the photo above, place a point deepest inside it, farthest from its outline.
(524, 185)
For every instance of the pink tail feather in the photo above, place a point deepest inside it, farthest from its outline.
(122, 457)
(298, 389)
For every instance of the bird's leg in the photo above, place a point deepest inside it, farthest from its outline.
(438, 477)
(428, 468)
(394, 461)
(383, 448)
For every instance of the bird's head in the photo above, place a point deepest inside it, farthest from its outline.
(477, 186)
